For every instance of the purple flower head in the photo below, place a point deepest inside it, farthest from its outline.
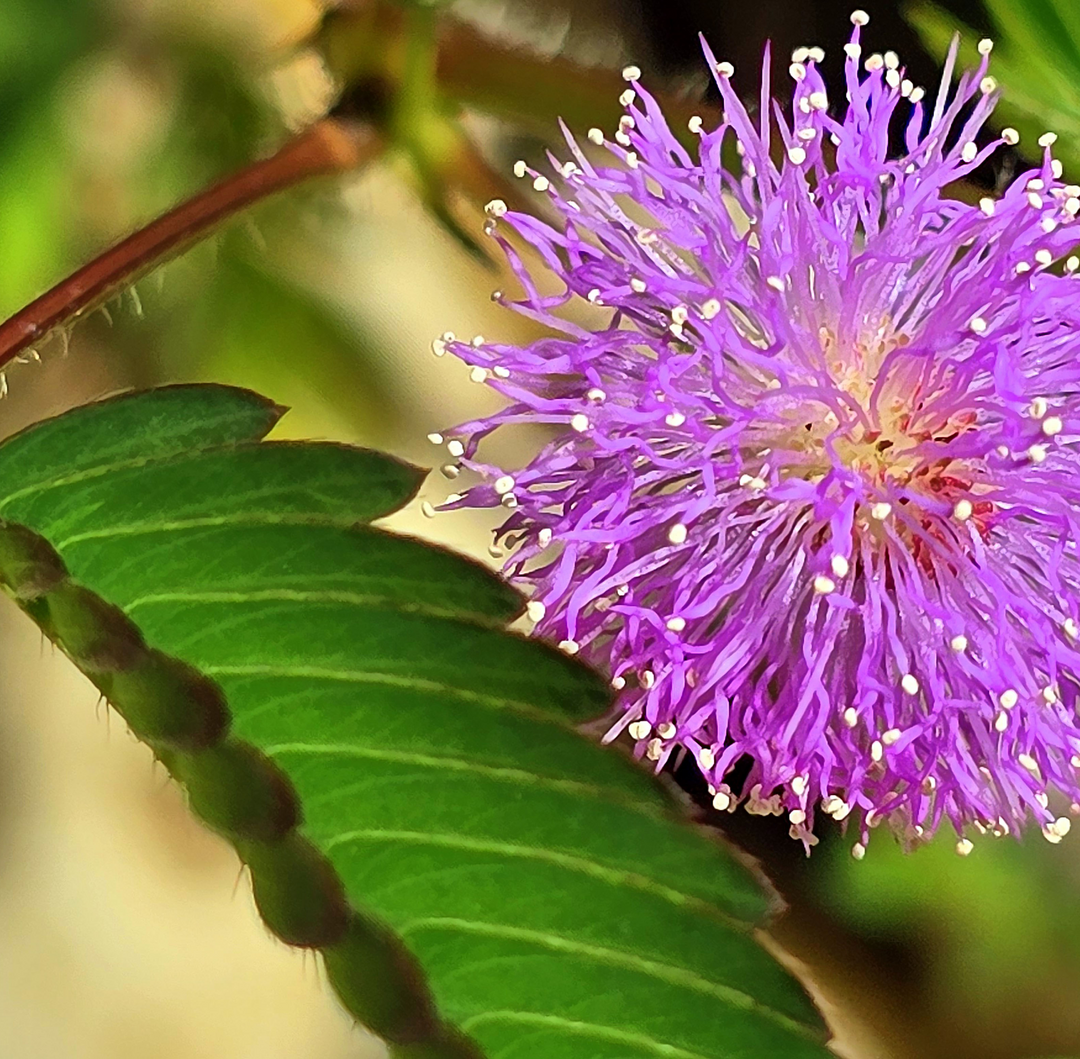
(813, 498)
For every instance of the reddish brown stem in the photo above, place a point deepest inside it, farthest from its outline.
(330, 146)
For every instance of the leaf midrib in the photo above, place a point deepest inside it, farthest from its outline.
(622, 958)
(518, 776)
(616, 877)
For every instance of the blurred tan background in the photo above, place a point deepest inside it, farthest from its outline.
(125, 929)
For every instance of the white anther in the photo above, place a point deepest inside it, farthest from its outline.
(654, 750)
(640, 730)
(1008, 698)
(500, 372)
(478, 374)
(725, 69)
(797, 816)
(797, 71)
(987, 205)
(666, 730)
(1037, 453)
(427, 509)
(680, 314)
(569, 646)
(618, 683)
(676, 624)
(706, 758)
(874, 62)
(648, 678)
(986, 46)
(818, 100)
(520, 168)
(1060, 827)
(851, 717)
(1010, 136)
(637, 286)
(435, 439)
(694, 124)
(541, 183)
(1052, 425)
(455, 448)
(798, 786)
(775, 282)
(858, 851)
(1022, 267)
(675, 419)
(824, 585)
(1071, 629)
(579, 422)
(596, 136)
(1056, 168)
(962, 510)
(677, 533)
(959, 643)
(891, 736)
(504, 484)
(1073, 263)
(859, 17)
(881, 511)
(1028, 762)
(543, 536)
(710, 308)
(535, 610)
(968, 152)
(721, 800)
(631, 73)
(807, 134)
(796, 155)
(495, 208)
(1048, 139)
(910, 683)
(978, 325)
(877, 751)
(627, 97)
(1039, 407)
(1044, 257)
(1001, 721)
(840, 566)
(633, 162)
(509, 501)
(1034, 200)
(1049, 695)
(917, 94)
(987, 85)
(964, 847)
(853, 50)
(596, 395)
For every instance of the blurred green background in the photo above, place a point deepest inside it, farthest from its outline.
(123, 929)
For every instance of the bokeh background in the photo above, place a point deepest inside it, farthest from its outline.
(126, 930)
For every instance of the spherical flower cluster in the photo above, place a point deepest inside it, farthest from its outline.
(813, 497)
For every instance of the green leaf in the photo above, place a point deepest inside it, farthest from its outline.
(1036, 61)
(402, 775)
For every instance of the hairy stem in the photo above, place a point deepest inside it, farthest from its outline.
(330, 146)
